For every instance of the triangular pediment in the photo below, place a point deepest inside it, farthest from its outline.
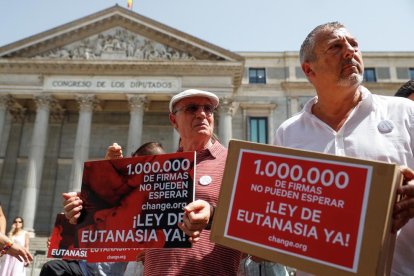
(116, 43)
(116, 33)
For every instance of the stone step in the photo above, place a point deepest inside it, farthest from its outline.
(38, 248)
(38, 245)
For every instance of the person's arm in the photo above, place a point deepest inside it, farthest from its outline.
(197, 216)
(12, 230)
(27, 241)
(14, 249)
(2, 221)
(404, 208)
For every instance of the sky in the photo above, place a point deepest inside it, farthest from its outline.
(235, 25)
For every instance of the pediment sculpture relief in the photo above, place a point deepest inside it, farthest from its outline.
(117, 43)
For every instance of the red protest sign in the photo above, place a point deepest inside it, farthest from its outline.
(295, 206)
(306, 210)
(136, 202)
(62, 241)
(62, 246)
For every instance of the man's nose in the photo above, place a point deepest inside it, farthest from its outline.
(349, 50)
(200, 111)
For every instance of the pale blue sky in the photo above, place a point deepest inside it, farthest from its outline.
(236, 25)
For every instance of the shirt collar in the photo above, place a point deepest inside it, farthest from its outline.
(213, 149)
(365, 98)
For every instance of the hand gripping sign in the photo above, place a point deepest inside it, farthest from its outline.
(320, 213)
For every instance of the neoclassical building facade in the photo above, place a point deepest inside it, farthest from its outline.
(69, 92)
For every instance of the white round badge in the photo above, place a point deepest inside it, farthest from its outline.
(385, 126)
(205, 180)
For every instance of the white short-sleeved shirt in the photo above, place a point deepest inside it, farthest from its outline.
(380, 128)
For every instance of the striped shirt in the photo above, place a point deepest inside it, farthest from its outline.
(205, 257)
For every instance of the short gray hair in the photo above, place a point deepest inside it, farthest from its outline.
(307, 52)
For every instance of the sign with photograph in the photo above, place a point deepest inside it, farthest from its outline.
(62, 243)
(136, 202)
(62, 246)
(308, 210)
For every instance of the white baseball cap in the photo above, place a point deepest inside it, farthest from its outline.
(193, 93)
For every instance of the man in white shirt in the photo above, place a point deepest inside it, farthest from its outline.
(346, 119)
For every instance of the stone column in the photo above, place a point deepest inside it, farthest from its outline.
(293, 105)
(137, 105)
(81, 152)
(38, 145)
(271, 124)
(226, 111)
(4, 104)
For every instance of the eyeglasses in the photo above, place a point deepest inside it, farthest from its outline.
(193, 108)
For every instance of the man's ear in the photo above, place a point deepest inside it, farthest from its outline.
(173, 121)
(307, 69)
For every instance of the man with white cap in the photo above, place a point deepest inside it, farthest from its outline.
(192, 115)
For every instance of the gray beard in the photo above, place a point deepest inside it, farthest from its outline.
(353, 80)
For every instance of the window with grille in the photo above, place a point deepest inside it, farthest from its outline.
(257, 75)
(258, 129)
(369, 75)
